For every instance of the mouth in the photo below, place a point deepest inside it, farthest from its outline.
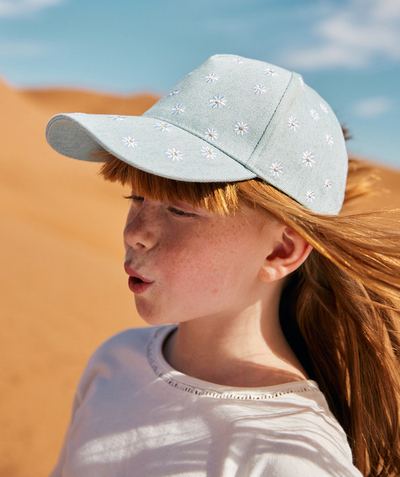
(137, 283)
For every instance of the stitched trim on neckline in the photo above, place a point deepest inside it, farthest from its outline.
(199, 391)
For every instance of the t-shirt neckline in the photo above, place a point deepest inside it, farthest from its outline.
(199, 387)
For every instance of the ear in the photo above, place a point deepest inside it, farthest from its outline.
(288, 253)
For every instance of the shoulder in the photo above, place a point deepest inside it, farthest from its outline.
(133, 339)
(302, 438)
(310, 465)
(297, 435)
(122, 358)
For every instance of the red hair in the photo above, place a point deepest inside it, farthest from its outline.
(343, 300)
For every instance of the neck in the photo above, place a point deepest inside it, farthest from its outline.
(244, 350)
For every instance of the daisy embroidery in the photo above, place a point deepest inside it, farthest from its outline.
(241, 128)
(237, 61)
(217, 101)
(259, 89)
(314, 114)
(276, 169)
(327, 185)
(270, 72)
(174, 154)
(310, 196)
(178, 109)
(174, 92)
(329, 139)
(211, 134)
(129, 142)
(117, 118)
(211, 78)
(208, 152)
(163, 127)
(293, 123)
(324, 108)
(308, 158)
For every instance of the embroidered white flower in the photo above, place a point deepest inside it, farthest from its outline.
(310, 196)
(241, 128)
(237, 61)
(163, 127)
(270, 72)
(314, 114)
(275, 169)
(259, 89)
(174, 154)
(308, 158)
(178, 109)
(129, 142)
(211, 78)
(116, 117)
(329, 140)
(293, 123)
(218, 101)
(174, 92)
(208, 152)
(327, 185)
(324, 108)
(302, 84)
(211, 134)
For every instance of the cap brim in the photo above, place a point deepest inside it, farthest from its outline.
(146, 143)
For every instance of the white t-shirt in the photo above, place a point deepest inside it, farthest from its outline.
(134, 415)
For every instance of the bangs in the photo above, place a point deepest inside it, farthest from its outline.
(223, 198)
(216, 197)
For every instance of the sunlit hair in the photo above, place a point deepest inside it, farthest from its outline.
(342, 299)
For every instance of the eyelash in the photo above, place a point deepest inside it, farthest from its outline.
(180, 213)
(173, 210)
(134, 198)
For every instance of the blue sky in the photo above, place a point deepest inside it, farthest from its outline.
(348, 50)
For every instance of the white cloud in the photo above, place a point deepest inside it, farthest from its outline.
(10, 8)
(371, 107)
(353, 36)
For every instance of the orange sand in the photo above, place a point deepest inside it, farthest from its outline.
(63, 289)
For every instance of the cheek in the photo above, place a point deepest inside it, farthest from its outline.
(206, 263)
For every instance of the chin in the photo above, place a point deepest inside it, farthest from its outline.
(148, 313)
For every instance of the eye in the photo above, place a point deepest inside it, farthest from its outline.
(134, 198)
(179, 212)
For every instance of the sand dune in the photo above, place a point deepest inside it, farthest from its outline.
(65, 100)
(63, 287)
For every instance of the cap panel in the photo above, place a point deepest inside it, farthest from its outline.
(302, 152)
(236, 99)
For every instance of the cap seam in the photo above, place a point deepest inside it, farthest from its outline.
(271, 118)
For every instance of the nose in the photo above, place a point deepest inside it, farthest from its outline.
(142, 226)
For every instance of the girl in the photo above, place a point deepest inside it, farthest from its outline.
(283, 355)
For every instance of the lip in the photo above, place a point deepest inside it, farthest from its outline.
(137, 283)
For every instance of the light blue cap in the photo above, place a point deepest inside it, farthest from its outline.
(229, 120)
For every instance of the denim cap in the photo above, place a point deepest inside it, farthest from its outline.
(231, 119)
